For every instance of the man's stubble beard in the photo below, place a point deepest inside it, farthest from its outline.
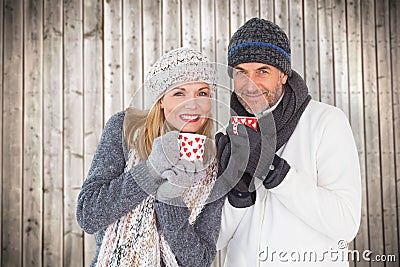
(271, 100)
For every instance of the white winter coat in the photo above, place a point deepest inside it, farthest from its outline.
(314, 213)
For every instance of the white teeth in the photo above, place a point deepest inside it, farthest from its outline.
(189, 117)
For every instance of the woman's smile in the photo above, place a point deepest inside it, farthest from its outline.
(190, 117)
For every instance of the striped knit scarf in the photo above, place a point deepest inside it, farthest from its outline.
(134, 240)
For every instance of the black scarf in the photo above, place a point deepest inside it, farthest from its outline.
(288, 112)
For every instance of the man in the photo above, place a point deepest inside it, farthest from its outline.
(307, 200)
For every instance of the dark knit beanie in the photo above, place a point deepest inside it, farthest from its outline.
(260, 40)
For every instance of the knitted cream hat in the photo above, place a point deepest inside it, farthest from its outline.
(260, 40)
(179, 65)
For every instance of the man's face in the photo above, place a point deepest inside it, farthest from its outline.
(258, 86)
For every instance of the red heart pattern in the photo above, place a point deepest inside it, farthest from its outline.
(191, 146)
(248, 121)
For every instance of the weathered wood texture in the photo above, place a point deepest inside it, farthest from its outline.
(68, 65)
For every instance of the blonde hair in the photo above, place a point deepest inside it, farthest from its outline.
(150, 124)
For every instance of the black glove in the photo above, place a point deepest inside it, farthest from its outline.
(263, 163)
(240, 196)
(262, 148)
(222, 143)
(254, 138)
(277, 172)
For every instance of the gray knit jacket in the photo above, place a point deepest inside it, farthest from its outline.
(108, 194)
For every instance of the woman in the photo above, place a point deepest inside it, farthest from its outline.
(145, 205)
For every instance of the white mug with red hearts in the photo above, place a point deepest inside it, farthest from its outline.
(191, 146)
(252, 122)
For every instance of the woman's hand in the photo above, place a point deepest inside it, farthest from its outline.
(164, 153)
(182, 176)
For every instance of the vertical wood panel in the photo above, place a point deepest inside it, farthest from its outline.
(311, 48)
(282, 15)
(171, 25)
(73, 129)
(267, 10)
(132, 32)
(221, 50)
(1, 121)
(191, 24)
(356, 111)
(251, 9)
(12, 133)
(60, 82)
(386, 128)
(394, 14)
(340, 55)
(151, 37)
(33, 125)
(371, 128)
(296, 36)
(113, 84)
(93, 96)
(340, 60)
(325, 51)
(207, 29)
(52, 134)
(236, 16)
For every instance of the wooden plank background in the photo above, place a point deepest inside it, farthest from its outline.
(67, 66)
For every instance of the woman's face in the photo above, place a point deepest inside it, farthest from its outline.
(187, 105)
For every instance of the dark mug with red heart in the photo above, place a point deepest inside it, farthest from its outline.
(191, 146)
(251, 122)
